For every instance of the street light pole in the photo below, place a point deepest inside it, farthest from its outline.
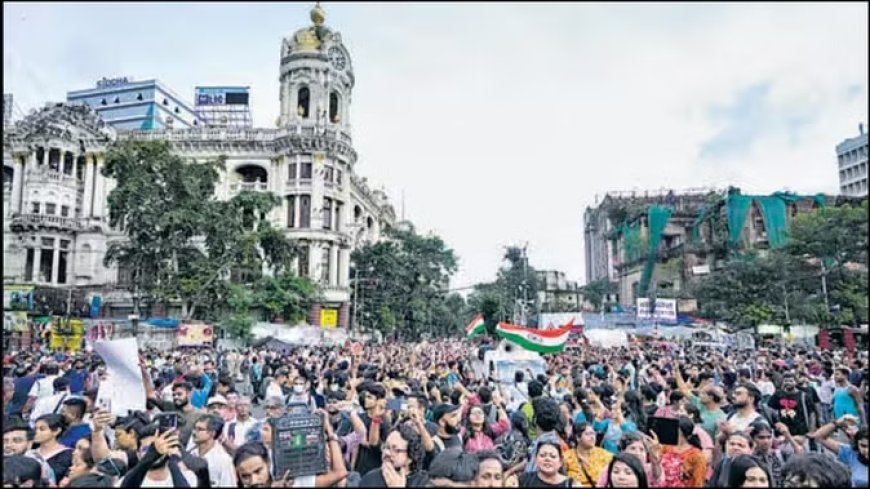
(355, 294)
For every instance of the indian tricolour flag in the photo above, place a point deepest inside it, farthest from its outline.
(539, 340)
(476, 326)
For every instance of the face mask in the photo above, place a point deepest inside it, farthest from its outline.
(451, 430)
(298, 389)
(333, 387)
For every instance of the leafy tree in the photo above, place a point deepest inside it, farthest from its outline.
(596, 291)
(835, 234)
(183, 245)
(400, 282)
(284, 296)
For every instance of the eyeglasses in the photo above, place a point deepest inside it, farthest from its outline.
(393, 449)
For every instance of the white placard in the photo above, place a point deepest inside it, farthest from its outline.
(123, 389)
(666, 309)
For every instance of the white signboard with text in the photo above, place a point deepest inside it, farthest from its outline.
(665, 310)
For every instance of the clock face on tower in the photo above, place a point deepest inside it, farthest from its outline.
(337, 58)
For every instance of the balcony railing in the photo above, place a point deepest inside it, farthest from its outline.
(249, 187)
(44, 175)
(25, 221)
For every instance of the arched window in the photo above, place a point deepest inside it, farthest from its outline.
(334, 108)
(304, 99)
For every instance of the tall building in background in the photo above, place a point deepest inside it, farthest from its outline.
(224, 106)
(129, 105)
(852, 161)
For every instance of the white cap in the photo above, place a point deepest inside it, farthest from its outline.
(218, 399)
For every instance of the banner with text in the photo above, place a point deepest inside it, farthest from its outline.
(665, 309)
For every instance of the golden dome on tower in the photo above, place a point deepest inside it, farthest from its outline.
(318, 15)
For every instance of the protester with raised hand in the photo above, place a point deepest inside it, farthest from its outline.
(159, 467)
(853, 454)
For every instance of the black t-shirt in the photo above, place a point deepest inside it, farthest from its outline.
(369, 458)
(531, 479)
(375, 478)
(791, 408)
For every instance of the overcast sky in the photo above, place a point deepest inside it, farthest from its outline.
(502, 122)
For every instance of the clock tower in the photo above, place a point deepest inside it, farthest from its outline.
(316, 77)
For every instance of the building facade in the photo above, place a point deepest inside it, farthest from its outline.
(308, 161)
(852, 163)
(556, 293)
(128, 105)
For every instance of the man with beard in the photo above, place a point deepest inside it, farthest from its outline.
(73, 410)
(447, 417)
(744, 413)
(792, 406)
(181, 392)
(17, 438)
(402, 454)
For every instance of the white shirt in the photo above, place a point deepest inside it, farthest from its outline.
(826, 391)
(46, 405)
(742, 424)
(43, 387)
(766, 387)
(220, 466)
(148, 482)
(241, 430)
(274, 390)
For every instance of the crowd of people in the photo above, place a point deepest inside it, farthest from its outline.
(419, 415)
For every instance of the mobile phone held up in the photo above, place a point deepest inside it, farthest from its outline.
(167, 421)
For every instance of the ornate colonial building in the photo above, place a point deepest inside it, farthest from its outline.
(56, 219)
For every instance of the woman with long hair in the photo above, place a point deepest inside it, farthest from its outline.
(747, 471)
(480, 434)
(625, 470)
(684, 464)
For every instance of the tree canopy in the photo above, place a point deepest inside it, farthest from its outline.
(400, 285)
(184, 246)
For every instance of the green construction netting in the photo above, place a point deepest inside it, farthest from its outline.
(773, 210)
(737, 207)
(658, 220)
(633, 242)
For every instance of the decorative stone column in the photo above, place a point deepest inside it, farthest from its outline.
(99, 189)
(87, 199)
(313, 261)
(333, 265)
(37, 257)
(17, 184)
(55, 262)
(344, 270)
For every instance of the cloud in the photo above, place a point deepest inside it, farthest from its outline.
(502, 122)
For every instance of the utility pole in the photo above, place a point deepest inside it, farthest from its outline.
(785, 297)
(825, 285)
(525, 303)
(355, 324)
